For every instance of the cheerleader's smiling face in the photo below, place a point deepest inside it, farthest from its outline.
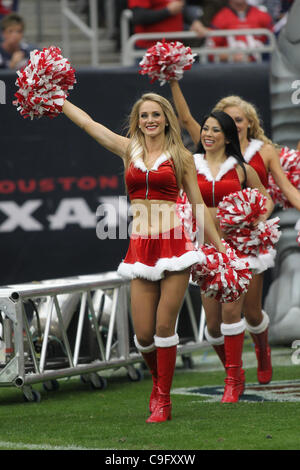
(152, 120)
(212, 135)
(241, 121)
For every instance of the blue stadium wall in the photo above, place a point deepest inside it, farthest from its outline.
(54, 178)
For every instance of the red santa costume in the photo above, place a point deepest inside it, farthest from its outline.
(259, 333)
(229, 346)
(213, 190)
(264, 261)
(149, 257)
(254, 159)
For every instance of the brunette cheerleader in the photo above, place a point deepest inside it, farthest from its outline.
(221, 170)
(260, 153)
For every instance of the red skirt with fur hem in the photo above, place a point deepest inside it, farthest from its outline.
(150, 257)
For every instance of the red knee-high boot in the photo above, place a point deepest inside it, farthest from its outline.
(259, 335)
(218, 345)
(149, 356)
(233, 343)
(166, 360)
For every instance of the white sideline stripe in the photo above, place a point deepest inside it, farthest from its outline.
(21, 445)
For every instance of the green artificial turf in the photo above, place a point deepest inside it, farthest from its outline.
(77, 417)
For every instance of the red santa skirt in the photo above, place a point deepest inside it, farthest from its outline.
(260, 263)
(149, 257)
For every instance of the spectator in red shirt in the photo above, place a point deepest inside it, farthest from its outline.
(8, 7)
(150, 16)
(240, 15)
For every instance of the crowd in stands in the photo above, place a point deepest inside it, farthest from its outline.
(200, 16)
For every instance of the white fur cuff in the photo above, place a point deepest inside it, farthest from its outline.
(143, 349)
(213, 341)
(232, 329)
(261, 327)
(166, 342)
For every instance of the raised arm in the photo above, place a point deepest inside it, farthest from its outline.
(193, 193)
(184, 114)
(290, 192)
(110, 140)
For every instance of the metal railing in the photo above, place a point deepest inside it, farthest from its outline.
(72, 327)
(91, 32)
(129, 53)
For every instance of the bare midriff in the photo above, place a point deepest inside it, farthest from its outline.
(151, 217)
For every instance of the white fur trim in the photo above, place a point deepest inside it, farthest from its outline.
(261, 263)
(261, 327)
(155, 273)
(143, 349)
(203, 168)
(166, 342)
(232, 329)
(164, 157)
(213, 341)
(138, 162)
(228, 165)
(253, 147)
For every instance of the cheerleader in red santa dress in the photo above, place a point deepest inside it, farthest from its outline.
(221, 171)
(160, 256)
(260, 153)
(157, 164)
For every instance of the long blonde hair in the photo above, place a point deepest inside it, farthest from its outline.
(255, 130)
(173, 142)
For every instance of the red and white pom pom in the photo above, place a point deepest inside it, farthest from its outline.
(184, 212)
(223, 277)
(44, 84)
(166, 61)
(240, 209)
(258, 240)
(290, 163)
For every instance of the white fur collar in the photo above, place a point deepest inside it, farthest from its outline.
(203, 168)
(253, 147)
(138, 162)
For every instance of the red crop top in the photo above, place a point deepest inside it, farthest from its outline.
(254, 159)
(214, 189)
(158, 183)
